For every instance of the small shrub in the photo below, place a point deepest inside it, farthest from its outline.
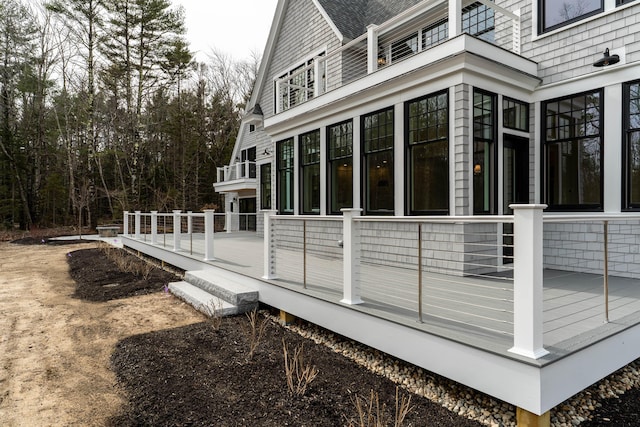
(298, 373)
(254, 331)
(371, 414)
(213, 310)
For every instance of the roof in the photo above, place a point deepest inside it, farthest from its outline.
(350, 20)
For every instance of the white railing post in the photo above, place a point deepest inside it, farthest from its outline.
(189, 222)
(154, 227)
(351, 257)
(238, 170)
(177, 229)
(527, 281)
(455, 18)
(227, 220)
(515, 30)
(220, 174)
(269, 246)
(372, 48)
(137, 225)
(246, 169)
(209, 215)
(125, 223)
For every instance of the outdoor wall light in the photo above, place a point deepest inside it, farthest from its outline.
(266, 152)
(607, 59)
(477, 169)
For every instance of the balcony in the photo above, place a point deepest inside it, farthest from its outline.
(236, 177)
(416, 31)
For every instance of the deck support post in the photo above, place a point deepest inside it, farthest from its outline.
(351, 257)
(154, 227)
(527, 281)
(208, 234)
(287, 318)
(528, 419)
(177, 229)
(125, 223)
(137, 225)
(269, 246)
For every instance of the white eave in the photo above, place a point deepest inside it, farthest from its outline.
(463, 59)
(236, 185)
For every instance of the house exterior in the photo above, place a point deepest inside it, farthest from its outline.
(447, 109)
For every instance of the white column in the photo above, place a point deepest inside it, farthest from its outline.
(177, 225)
(613, 150)
(455, 18)
(351, 257)
(227, 220)
(154, 227)
(527, 281)
(296, 175)
(269, 246)
(189, 222)
(372, 48)
(208, 234)
(137, 225)
(125, 223)
(357, 163)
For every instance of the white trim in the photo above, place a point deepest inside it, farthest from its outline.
(612, 149)
(398, 160)
(323, 170)
(452, 149)
(296, 175)
(326, 17)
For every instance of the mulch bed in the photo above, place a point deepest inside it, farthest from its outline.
(99, 279)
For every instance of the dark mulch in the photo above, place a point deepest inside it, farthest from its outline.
(621, 412)
(199, 376)
(99, 279)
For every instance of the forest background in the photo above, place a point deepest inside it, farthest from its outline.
(103, 108)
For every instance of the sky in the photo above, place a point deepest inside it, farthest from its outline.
(235, 27)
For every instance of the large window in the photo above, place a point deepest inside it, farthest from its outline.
(484, 153)
(285, 176)
(631, 170)
(377, 153)
(555, 13)
(572, 138)
(310, 172)
(265, 186)
(428, 154)
(340, 144)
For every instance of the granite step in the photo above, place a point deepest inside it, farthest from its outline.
(202, 300)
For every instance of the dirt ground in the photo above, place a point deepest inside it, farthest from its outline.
(55, 350)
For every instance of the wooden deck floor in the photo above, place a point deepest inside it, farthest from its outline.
(476, 311)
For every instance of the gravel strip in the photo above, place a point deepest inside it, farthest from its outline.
(462, 400)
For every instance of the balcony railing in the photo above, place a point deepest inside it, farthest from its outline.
(414, 31)
(239, 170)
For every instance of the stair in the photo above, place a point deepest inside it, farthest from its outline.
(215, 293)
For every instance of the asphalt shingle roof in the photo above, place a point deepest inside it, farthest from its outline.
(353, 16)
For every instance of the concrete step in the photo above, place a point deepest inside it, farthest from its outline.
(225, 286)
(202, 300)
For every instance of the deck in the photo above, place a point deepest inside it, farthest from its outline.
(466, 330)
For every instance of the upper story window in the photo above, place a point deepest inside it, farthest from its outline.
(252, 128)
(248, 158)
(435, 33)
(555, 14)
(298, 85)
(621, 2)
(631, 167)
(572, 137)
(310, 172)
(479, 20)
(515, 114)
(340, 167)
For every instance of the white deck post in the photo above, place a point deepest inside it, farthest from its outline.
(527, 281)
(125, 223)
(154, 227)
(269, 246)
(455, 18)
(372, 48)
(189, 222)
(227, 220)
(208, 234)
(137, 225)
(351, 257)
(177, 229)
